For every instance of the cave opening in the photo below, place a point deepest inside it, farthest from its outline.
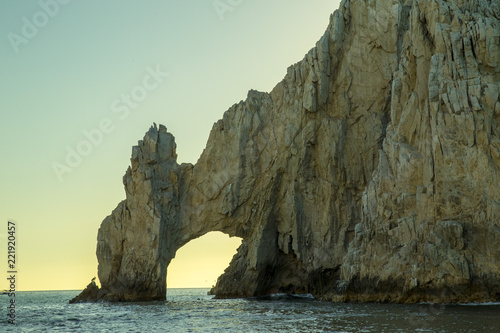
(201, 261)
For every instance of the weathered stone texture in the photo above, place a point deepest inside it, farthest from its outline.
(369, 173)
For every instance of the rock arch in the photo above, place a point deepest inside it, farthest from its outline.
(368, 173)
(235, 188)
(168, 205)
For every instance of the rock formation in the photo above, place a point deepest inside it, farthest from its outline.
(91, 292)
(369, 173)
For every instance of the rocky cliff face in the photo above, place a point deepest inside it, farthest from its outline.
(371, 172)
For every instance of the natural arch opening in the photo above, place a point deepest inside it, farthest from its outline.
(200, 262)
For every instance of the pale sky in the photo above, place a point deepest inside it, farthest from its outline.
(66, 69)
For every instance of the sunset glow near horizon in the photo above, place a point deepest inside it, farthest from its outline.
(82, 82)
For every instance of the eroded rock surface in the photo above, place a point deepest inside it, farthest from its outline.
(370, 172)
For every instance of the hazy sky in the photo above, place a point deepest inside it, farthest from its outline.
(80, 84)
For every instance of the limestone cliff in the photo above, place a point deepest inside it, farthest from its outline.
(370, 172)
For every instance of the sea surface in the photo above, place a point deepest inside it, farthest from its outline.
(192, 310)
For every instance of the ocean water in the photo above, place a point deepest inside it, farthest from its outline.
(192, 310)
